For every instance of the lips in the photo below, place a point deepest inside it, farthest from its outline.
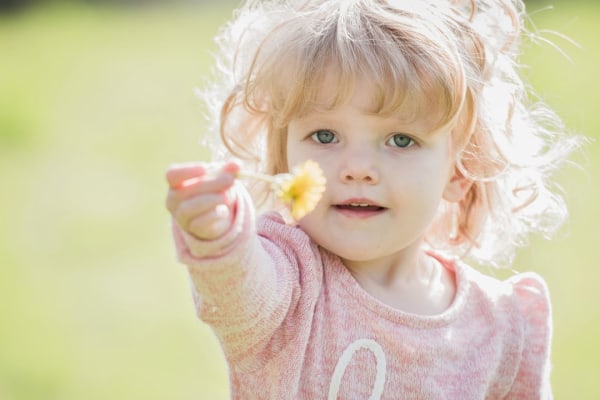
(359, 207)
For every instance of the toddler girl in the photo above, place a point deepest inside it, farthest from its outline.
(433, 157)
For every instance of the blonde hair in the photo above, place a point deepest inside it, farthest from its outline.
(455, 55)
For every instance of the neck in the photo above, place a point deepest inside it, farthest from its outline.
(412, 282)
(385, 271)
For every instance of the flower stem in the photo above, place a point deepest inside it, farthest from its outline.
(257, 175)
(273, 180)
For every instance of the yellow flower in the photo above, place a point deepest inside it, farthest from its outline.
(301, 190)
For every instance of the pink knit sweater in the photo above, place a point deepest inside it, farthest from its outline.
(294, 324)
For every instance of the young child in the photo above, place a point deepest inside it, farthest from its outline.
(433, 156)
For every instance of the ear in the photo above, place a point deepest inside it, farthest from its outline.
(457, 187)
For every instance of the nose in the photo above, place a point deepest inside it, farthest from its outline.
(360, 167)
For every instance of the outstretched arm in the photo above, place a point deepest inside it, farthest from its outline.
(242, 285)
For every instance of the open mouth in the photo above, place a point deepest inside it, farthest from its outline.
(358, 207)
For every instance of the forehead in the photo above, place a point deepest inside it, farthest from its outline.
(372, 97)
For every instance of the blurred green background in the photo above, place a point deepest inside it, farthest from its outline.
(96, 100)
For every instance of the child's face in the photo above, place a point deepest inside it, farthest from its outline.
(385, 177)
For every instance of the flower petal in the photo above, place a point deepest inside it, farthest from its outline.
(301, 191)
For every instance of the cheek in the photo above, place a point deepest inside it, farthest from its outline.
(312, 224)
(439, 165)
(299, 152)
(427, 180)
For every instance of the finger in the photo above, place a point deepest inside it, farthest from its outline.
(230, 196)
(200, 195)
(231, 167)
(211, 225)
(178, 173)
(186, 210)
(205, 185)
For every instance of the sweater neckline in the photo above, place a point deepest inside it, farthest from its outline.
(357, 294)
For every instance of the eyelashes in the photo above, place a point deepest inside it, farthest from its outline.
(326, 136)
(401, 140)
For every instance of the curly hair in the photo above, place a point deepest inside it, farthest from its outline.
(459, 56)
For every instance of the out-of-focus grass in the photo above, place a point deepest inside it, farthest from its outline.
(94, 104)
(570, 261)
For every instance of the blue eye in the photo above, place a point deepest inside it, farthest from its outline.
(400, 140)
(323, 136)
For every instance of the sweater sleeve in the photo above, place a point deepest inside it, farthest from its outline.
(243, 283)
(533, 375)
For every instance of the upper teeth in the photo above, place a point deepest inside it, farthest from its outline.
(359, 204)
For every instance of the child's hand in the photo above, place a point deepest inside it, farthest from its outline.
(201, 202)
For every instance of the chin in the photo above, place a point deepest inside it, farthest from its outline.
(355, 253)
